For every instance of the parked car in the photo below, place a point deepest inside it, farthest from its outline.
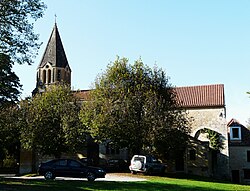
(69, 168)
(146, 164)
(117, 165)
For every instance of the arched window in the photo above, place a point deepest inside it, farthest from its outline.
(49, 76)
(44, 76)
(59, 75)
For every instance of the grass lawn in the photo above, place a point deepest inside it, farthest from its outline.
(153, 183)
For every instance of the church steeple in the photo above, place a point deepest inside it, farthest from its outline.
(54, 66)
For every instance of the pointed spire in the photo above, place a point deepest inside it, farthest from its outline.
(54, 52)
(55, 19)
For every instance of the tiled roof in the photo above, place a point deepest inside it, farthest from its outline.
(82, 94)
(201, 96)
(190, 96)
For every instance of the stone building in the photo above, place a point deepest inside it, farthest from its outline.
(204, 104)
(239, 152)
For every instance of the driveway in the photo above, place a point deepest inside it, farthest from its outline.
(118, 177)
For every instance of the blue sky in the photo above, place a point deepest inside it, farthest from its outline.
(196, 42)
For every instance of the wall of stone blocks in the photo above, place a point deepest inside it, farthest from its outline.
(238, 161)
(214, 119)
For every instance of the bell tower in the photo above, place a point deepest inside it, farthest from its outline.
(54, 67)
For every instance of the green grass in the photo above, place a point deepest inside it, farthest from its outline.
(152, 183)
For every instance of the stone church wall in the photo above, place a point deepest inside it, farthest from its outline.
(213, 119)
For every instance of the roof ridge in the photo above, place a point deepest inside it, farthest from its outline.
(201, 96)
(199, 85)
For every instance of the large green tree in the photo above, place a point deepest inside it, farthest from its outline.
(17, 37)
(9, 133)
(51, 124)
(135, 107)
(10, 86)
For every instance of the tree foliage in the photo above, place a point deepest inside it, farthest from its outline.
(51, 123)
(215, 139)
(17, 38)
(9, 132)
(10, 86)
(135, 107)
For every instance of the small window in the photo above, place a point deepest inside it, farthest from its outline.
(246, 173)
(49, 76)
(44, 76)
(192, 154)
(235, 133)
(248, 156)
(111, 149)
(59, 75)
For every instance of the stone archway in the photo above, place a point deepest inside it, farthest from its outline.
(215, 139)
(219, 158)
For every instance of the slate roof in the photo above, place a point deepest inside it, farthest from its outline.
(54, 52)
(201, 96)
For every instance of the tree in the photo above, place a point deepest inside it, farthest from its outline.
(135, 107)
(51, 123)
(9, 134)
(10, 86)
(17, 38)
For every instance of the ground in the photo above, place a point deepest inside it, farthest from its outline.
(120, 177)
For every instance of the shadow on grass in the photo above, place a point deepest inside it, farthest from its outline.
(195, 178)
(69, 185)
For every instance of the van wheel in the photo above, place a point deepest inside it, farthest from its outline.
(133, 172)
(149, 171)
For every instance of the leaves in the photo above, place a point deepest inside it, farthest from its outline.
(215, 139)
(9, 131)
(17, 38)
(52, 122)
(10, 86)
(135, 107)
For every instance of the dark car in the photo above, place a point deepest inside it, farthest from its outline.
(117, 165)
(69, 168)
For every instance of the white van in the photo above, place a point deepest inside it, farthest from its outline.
(146, 164)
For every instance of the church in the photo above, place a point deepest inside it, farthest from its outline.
(54, 66)
(205, 104)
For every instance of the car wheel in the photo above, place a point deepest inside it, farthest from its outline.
(91, 176)
(49, 175)
(162, 171)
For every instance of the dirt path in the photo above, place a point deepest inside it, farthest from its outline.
(119, 177)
